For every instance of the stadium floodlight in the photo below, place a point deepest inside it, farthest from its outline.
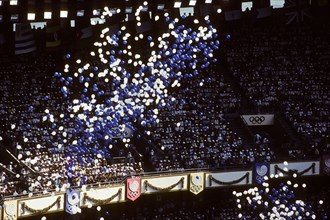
(80, 13)
(128, 10)
(192, 2)
(47, 15)
(63, 13)
(14, 17)
(13, 2)
(208, 1)
(177, 4)
(72, 23)
(160, 6)
(144, 8)
(31, 16)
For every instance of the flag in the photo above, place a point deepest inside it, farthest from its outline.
(260, 171)
(52, 36)
(133, 188)
(72, 202)
(297, 10)
(196, 183)
(24, 39)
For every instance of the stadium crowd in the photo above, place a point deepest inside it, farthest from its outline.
(280, 69)
(285, 69)
(42, 164)
(193, 132)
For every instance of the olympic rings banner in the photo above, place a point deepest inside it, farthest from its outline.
(258, 120)
(72, 202)
(196, 183)
(260, 171)
(133, 190)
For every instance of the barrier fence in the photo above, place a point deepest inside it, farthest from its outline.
(133, 187)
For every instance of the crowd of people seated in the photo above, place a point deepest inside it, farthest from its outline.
(285, 69)
(27, 89)
(275, 74)
(193, 133)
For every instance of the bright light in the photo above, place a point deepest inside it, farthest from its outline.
(80, 13)
(277, 3)
(47, 15)
(128, 10)
(13, 2)
(208, 1)
(31, 16)
(144, 9)
(63, 14)
(96, 12)
(192, 2)
(72, 23)
(177, 4)
(160, 6)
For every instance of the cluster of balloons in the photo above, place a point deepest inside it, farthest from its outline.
(126, 80)
(275, 201)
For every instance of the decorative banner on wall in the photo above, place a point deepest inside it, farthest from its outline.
(196, 183)
(228, 178)
(304, 168)
(164, 184)
(260, 171)
(133, 190)
(72, 202)
(103, 196)
(258, 120)
(326, 164)
(41, 205)
(10, 210)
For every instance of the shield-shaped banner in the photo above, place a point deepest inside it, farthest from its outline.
(196, 183)
(326, 164)
(260, 171)
(133, 188)
(72, 202)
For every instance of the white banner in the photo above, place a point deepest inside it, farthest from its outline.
(102, 196)
(306, 168)
(258, 120)
(9, 210)
(163, 184)
(40, 205)
(228, 178)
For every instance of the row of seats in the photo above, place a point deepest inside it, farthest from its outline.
(285, 69)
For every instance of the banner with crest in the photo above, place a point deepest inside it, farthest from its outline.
(196, 183)
(133, 188)
(72, 202)
(326, 164)
(260, 170)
